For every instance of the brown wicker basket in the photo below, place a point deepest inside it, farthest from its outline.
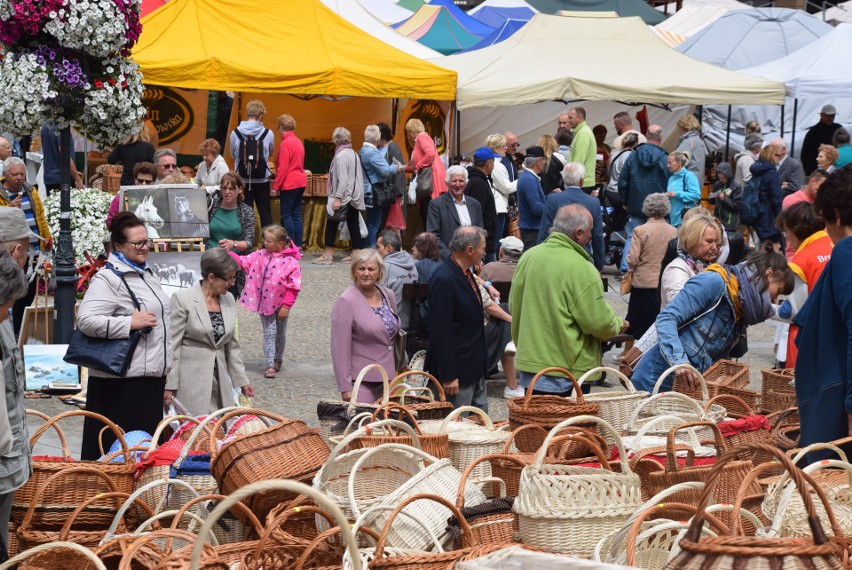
(436, 444)
(317, 185)
(257, 456)
(777, 393)
(745, 427)
(422, 400)
(547, 411)
(722, 373)
(54, 555)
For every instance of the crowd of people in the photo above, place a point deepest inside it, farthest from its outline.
(772, 247)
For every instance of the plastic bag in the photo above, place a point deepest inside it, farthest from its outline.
(412, 191)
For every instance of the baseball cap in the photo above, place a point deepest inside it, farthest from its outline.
(484, 154)
(828, 110)
(13, 225)
(535, 151)
(512, 245)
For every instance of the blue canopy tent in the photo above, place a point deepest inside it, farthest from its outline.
(497, 16)
(472, 25)
(505, 31)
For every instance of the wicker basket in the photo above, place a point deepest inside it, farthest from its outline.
(335, 415)
(733, 551)
(563, 508)
(73, 492)
(721, 373)
(747, 426)
(317, 185)
(714, 413)
(436, 444)
(672, 404)
(547, 411)
(778, 390)
(55, 555)
(648, 438)
(257, 456)
(421, 399)
(615, 407)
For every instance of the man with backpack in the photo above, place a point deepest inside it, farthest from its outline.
(252, 144)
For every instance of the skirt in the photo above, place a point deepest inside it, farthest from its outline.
(642, 310)
(131, 403)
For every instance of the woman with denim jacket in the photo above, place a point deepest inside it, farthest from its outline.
(705, 318)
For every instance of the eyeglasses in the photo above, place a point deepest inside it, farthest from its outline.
(230, 280)
(142, 244)
(168, 166)
(143, 181)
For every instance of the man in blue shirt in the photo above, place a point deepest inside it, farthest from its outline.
(531, 196)
(573, 175)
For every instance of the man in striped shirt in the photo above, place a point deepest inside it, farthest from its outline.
(16, 192)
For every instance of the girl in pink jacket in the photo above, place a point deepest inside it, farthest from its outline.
(273, 281)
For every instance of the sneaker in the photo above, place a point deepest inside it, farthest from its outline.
(518, 392)
(510, 348)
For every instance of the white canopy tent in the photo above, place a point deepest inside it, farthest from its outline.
(501, 4)
(841, 13)
(386, 11)
(691, 19)
(358, 15)
(622, 61)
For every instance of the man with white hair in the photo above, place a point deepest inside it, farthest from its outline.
(624, 124)
(509, 159)
(559, 312)
(453, 209)
(573, 174)
(791, 173)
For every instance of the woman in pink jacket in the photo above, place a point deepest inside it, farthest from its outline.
(363, 326)
(290, 178)
(425, 154)
(273, 281)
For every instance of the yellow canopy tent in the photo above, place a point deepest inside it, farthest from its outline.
(268, 46)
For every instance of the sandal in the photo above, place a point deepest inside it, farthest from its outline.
(347, 259)
(322, 260)
(277, 365)
(270, 373)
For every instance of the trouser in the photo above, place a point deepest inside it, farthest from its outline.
(471, 394)
(291, 214)
(374, 223)
(529, 237)
(21, 304)
(501, 227)
(632, 224)
(424, 209)
(525, 379)
(274, 338)
(257, 194)
(351, 224)
(5, 513)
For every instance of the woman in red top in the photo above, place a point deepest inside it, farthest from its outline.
(290, 178)
(425, 154)
(806, 233)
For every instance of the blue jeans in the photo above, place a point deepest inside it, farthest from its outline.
(374, 223)
(632, 224)
(549, 384)
(291, 214)
(501, 228)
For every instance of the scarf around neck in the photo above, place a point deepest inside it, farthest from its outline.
(750, 305)
(696, 265)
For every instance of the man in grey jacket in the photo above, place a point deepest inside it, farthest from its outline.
(399, 270)
(15, 452)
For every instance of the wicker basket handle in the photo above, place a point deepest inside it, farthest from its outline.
(705, 395)
(671, 459)
(119, 499)
(353, 399)
(428, 459)
(143, 540)
(252, 518)
(63, 442)
(472, 465)
(800, 479)
(101, 439)
(164, 423)
(119, 434)
(393, 406)
(465, 528)
(225, 414)
(746, 409)
(624, 380)
(173, 515)
(486, 420)
(322, 537)
(542, 452)
(277, 485)
(798, 454)
(110, 534)
(654, 511)
(358, 420)
(364, 430)
(507, 447)
(397, 390)
(27, 520)
(670, 421)
(62, 545)
(638, 461)
(578, 393)
(777, 418)
(273, 522)
(429, 378)
(655, 399)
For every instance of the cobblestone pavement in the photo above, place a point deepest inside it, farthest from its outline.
(307, 374)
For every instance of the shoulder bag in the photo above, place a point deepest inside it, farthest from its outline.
(110, 355)
(423, 180)
(342, 213)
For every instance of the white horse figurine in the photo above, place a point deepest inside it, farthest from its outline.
(147, 212)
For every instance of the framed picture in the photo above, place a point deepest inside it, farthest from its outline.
(176, 270)
(173, 211)
(36, 326)
(43, 365)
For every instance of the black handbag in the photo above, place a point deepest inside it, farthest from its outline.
(340, 214)
(423, 182)
(383, 195)
(110, 355)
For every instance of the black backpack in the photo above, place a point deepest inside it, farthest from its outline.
(252, 156)
(749, 204)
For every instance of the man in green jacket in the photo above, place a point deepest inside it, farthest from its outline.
(584, 149)
(559, 314)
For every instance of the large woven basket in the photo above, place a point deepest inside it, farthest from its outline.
(713, 413)
(721, 373)
(77, 490)
(436, 444)
(259, 455)
(615, 407)
(335, 415)
(55, 555)
(778, 390)
(562, 508)
(547, 411)
(745, 426)
(428, 404)
(731, 551)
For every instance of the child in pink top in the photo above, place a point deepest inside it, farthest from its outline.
(273, 281)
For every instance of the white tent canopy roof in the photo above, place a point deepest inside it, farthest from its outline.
(842, 12)
(502, 4)
(357, 15)
(691, 19)
(813, 71)
(386, 11)
(623, 61)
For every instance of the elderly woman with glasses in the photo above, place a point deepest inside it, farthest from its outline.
(109, 310)
(207, 361)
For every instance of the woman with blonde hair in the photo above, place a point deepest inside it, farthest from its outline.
(826, 157)
(502, 188)
(690, 142)
(551, 176)
(425, 155)
(683, 188)
(134, 149)
(212, 167)
(764, 172)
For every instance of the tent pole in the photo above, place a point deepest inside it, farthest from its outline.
(793, 142)
(457, 131)
(782, 120)
(394, 115)
(701, 120)
(728, 135)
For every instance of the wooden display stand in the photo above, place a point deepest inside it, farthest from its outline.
(191, 243)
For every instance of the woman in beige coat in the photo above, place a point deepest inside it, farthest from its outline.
(207, 359)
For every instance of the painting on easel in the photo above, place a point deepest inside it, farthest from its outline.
(175, 270)
(170, 211)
